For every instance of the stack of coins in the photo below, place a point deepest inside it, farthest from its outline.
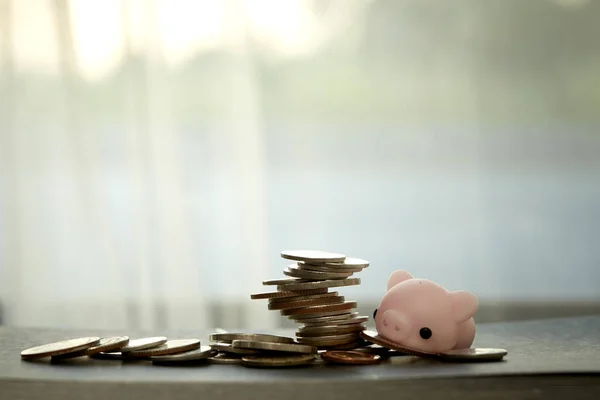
(329, 321)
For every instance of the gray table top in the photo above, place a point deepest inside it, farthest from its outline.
(546, 358)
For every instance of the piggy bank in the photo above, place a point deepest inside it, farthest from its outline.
(421, 315)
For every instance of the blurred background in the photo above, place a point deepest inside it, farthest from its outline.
(156, 156)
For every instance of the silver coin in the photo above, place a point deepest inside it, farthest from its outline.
(143, 343)
(313, 275)
(201, 353)
(349, 262)
(228, 348)
(312, 310)
(312, 256)
(108, 344)
(278, 362)
(329, 330)
(285, 281)
(282, 347)
(259, 337)
(59, 348)
(171, 346)
(111, 356)
(473, 355)
(287, 293)
(301, 298)
(224, 358)
(319, 285)
(346, 318)
(306, 303)
(328, 316)
(325, 268)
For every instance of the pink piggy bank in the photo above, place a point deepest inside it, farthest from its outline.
(421, 315)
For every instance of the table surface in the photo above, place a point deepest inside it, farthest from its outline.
(546, 359)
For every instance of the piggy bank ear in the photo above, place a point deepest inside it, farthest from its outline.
(464, 305)
(396, 277)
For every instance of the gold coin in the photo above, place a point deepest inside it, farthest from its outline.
(201, 353)
(347, 319)
(314, 275)
(261, 337)
(321, 316)
(169, 347)
(312, 256)
(329, 330)
(301, 298)
(324, 268)
(282, 347)
(350, 357)
(285, 281)
(306, 303)
(59, 348)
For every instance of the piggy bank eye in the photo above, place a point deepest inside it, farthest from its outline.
(374, 313)
(425, 333)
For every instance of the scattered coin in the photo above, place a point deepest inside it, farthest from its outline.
(278, 362)
(143, 343)
(306, 303)
(201, 353)
(473, 355)
(379, 350)
(224, 358)
(312, 256)
(59, 348)
(80, 353)
(350, 357)
(319, 284)
(347, 305)
(169, 347)
(308, 331)
(373, 337)
(288, 293)
(259, 337)
(301, 298)
(314, 275)
(282, 347)
(228, 348)
(109, 344)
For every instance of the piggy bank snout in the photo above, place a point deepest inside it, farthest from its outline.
(395, 324)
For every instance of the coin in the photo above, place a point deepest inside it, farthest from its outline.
(228, 348)
(301, 298)
(281, 281)
(329, 330)
(343, 319)
(278, 361)
(473, 354)
(324, 316)
(143, 343)
(345, 346)
(58, 348)
(109, 344)
(169, 347)
(201, 353)
(334, 340)
(223, 358)
(66, 356)
(373, 337)
(314, 275)
(325, 268)
(350, 357)
(379, 350)
(283, 347)
(111, 356)
(349, 262)
(312, 256)
(347, 305)
(259, 337)
(288, 293)
(306, 303)
(319, 284)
